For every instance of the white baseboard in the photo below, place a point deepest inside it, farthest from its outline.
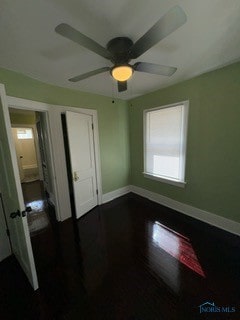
(115, 194)
(199, 214)
(30, 166)
(205, 216)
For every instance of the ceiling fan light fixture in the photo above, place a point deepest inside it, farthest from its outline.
(122, 73)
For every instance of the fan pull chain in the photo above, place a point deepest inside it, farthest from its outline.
(113, 84)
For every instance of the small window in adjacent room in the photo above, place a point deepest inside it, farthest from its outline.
(165, 133)
(24, 133)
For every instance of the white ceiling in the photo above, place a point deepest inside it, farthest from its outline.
(29, 44)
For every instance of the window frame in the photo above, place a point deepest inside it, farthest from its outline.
(181, 182)
(27, 137)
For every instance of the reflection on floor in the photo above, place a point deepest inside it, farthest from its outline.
(34, 197)
(111, 264)
(38, 222)
(176, 245)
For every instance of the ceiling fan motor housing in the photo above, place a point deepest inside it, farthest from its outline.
(119, 48)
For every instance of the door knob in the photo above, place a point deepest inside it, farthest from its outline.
(27, 209)
(75, 176)
(15, 214)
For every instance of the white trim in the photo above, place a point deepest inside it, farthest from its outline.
(115, 194)
(24, 104)
(199, 214)
(180, 184)
(97, 156)
(60, 170)
(30, 166)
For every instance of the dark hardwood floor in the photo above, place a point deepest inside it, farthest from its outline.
(42, 212)
(130, 259)
(33, 191)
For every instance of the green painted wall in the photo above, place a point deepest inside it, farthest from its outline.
(112, 118)
(17, 118)
(213, 152)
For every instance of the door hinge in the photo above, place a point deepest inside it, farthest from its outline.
(97, 191)
(8, 232)
(92, 126)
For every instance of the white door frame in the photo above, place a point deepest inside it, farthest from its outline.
(57, 150)
(24, 104)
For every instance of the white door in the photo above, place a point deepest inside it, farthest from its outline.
(82, 158)
(12, 195)
(5, 249)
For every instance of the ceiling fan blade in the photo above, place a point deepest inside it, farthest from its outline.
(122, 86)
(154, 68)
(70, 33)
(171, 21)
(89, 74)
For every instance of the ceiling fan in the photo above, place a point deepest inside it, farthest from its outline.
(121, 50)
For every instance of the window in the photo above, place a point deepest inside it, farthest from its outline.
(165, 143)
(24, 133)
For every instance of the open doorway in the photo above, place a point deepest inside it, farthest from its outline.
(29, 129)
(27, 151)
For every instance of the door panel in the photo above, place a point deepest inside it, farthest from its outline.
(12, 195)
(81, 149)
(5, 249)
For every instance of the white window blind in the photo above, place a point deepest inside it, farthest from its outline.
(165, 141)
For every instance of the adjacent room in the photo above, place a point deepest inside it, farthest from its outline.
(119, 160)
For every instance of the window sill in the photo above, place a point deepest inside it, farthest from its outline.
(177, 183)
